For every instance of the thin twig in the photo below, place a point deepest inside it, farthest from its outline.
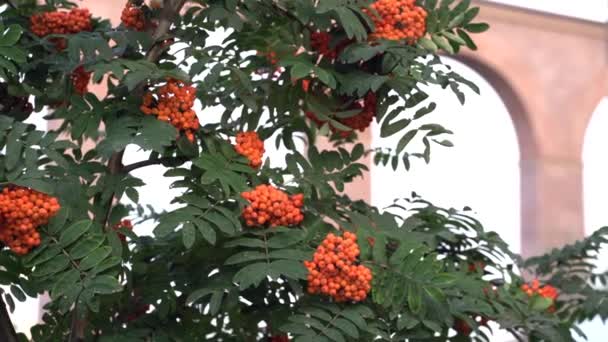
(11, 4)
(144, 163)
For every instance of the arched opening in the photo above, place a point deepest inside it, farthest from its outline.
(595, 182)
(482, 169)
(595, 169)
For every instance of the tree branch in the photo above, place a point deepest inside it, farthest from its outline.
(10, 3)
(7, 330)
(171, 9)
(144, 163)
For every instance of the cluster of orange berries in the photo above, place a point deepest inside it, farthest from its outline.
(546, 291)
(464, 329)
(133, 18)
(476, 266)
(22, 210)
(272, 206)
(321, 42)
(250, 145)
(126, 223)
(360, 121)
(398, 20)
(333, 271)
(173, 103)
(272, 57)
(80, 80)
(61, 22)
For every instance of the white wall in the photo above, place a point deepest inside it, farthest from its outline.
(482, 169)
(595, 173)
(595, 10)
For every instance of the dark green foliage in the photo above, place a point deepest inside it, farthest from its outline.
(203, 275)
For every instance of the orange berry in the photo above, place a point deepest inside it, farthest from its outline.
(17, 225)
(546, 291)
(346, 280)
(398, 20)
(267, 205)
(126, 223)
(80, 80)
(251, 146)
(61, 22)
(133, 17)
(360, 121)
(173, 103)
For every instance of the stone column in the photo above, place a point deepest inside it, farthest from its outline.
(552, 206)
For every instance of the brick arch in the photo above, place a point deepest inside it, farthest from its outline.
(597, 93)
(520, 116)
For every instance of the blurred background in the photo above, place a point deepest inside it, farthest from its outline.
(530, 153)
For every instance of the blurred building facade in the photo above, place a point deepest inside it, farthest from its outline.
(551, 73)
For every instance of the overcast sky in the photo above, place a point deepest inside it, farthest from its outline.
(596, 10)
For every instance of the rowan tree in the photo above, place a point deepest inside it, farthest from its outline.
(254, 252)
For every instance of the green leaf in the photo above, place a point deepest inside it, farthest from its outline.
(221, 222)
(290, 268)
(354, 316)
(11, 35)
(73, 232)
(132, 194)
(457, 20)
(63, 284)
(405, 140)
(188, 235)
(351, 24)
(245, 256)
(347, 327)
(389, 129)
(251, 275)
(467, 39)
(14, 148)
(205, 229)
(85, 246)
(357, 152)
(428, 44)
(300, 70)
(104, 284)
(477, 27)
(46, 254)
(432, 325)
(17, 293)
(454, 38)
(215, 302)
(95, 257)
(333, 334)
(414, 297)
(197, 295)
(425, 110)
(245, 242)
(379, 250)
(107, 264)
(56, 264)
(442, 43)
(538, 303)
